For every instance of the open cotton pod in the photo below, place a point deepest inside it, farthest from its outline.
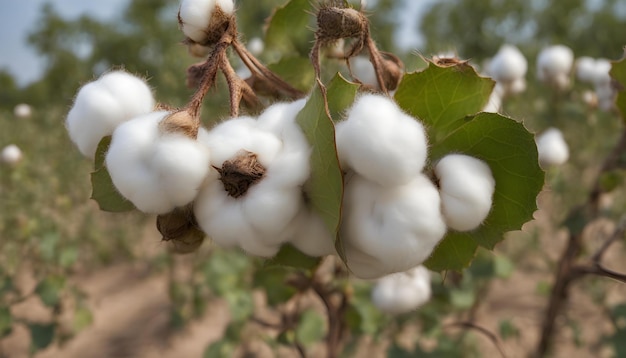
(380, 142)
(508, 65)
(402, 292)
(205, 21)
(390, 229)
(155, 167)
(260, 171)
(100, 106)
(554, 64)
(466, 187)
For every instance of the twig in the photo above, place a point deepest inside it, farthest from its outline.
(487, 333)
(619, 232)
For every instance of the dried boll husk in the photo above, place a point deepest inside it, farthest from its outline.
(180, 231)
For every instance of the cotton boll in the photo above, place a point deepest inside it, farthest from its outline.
(494, 104)
(552, 148)
(601, 75)
(156, 171)
(22, 110)
(466, 187)
(100, 106)
(380, 142)
(554, 63)
(11, 154)
(310, 235)
(256, 46)
(516, 87)
(364, 71)
(402, 292)
(196, 16)
(508, 65)
(390, 229)
(585, 69)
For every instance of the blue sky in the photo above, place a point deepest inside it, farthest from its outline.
(19, 17)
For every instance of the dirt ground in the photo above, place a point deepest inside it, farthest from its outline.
(130, 305)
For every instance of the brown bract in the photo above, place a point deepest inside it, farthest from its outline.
(180, 122)
(240, 173)
(180, 230)
(337, 23)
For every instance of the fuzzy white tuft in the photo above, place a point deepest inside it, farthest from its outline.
(22, 110)
(156, 171)
(508, 65)
(100, 106)
(11, 154)
(309, 234)
(466, 187)
(494, 104)
(388, 230)
(552, 148)
(380, 142)
(554, 64)
(402, 292)
(266, 211)
(256, 46)
(196, 16)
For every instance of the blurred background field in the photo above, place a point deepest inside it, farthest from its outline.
(77, 282)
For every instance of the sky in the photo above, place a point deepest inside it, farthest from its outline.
(19, 17)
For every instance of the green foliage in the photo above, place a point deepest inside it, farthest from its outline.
(618, 73)
(42, 335)
(6, 321)
(288, 30)
(311, 328)
(325, 186)
(50, 289)
(291, 257)
(104, 192)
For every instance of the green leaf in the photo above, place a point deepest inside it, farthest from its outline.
(103, 190)
(325, 186)
(503, 266)
(508, 329)
(311, 328)
(510, 151)
(222, 348)
(291, 257)
(273, 280)
(241, 305)
(68, 256)
(42, 335)
(441, 97)
(6, 321)
(289, 29)
(82, 319)
(454, 252)
(618, 72)
(297, 71)
(49, 290)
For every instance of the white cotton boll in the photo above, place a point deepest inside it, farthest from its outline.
(100, 106)
(364, 71)
(22, 110)
(552, 148)
(402, 292)
(508, 65)
(585, 69)
(466, 187)
(393, 229)
(256, 46)
(554, 63)
(11, 154)
(156, 171)
(196, 16)
(310, 235)
(601, 75)
(380, 142)
(494, 104)
(518, 86)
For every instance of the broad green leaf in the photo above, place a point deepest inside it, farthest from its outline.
(273, 281)
(510, 151)
(325, 186)
(311, 328)
(6, 321)
(618, 72)
(49, 290)
(297, 71)
(42, 335)
(224, 271)
(503, 266)
(82, 319)
(291, 257)
(103, 190)
(240, 303)
(454, 252)
(289, 29)
(441, 97)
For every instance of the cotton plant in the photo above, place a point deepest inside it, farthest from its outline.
(552, 147)
(11, 154)
(402, 292)
(554, 66)
(595, 71)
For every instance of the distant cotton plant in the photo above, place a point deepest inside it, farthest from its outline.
(11, 154)
(22, 110)
(256, 46)
(554, 65)
(552, 148)
(508, 67)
